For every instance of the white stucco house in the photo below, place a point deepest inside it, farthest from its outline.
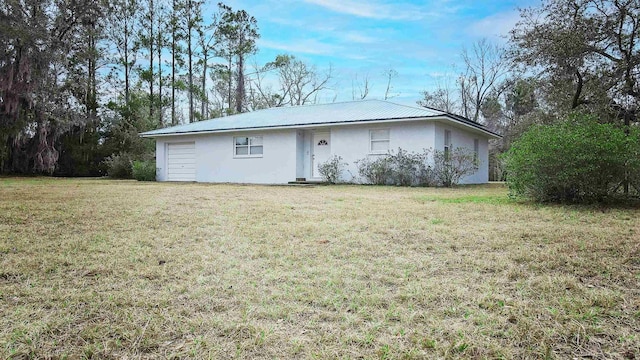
(280, 145)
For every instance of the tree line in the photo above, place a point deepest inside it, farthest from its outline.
(79, 80)
(563, 57)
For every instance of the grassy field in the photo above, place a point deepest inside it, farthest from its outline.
(112, 269)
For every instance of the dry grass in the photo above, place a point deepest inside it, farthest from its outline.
(113, 269)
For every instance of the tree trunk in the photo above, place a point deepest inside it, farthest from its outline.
(126, 63)
(240, 86)
(173, 65)
(205, 99)
(151, 24)
(160, 81)
(230, 85)
(627, 124)
(92, 101)
(190, 55)
(576, 96)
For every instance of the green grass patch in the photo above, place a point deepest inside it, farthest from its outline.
(469, 199)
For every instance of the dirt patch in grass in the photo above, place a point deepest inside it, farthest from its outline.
(113, 269)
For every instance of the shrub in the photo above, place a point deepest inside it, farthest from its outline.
(401, 168)
(119, 166)
(409, 169)
(578, 160)
(144, 170)
(450, 167)
(377, 172)
(331, 169)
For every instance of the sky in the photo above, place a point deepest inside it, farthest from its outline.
(420, 40)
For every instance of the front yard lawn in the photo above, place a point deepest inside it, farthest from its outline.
(115, 269)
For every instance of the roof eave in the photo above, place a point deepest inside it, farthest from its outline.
(323, 124)
(473, 125)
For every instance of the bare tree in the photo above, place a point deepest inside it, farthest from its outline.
(360, 89)
(485, 69)
(389, 74)
(485, 65)
(261, 94)
(298, 82)
(443, 98)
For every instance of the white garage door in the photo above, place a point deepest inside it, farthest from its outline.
(181, 161)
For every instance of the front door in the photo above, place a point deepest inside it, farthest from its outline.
(321, 151)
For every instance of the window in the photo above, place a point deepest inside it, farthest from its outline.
(379, 141)
(447, 144)
(476, 152)
(247, 146)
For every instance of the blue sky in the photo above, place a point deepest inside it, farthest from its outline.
(421, 40)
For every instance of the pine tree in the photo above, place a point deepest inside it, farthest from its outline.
(236, 32)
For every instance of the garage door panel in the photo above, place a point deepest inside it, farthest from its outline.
(177, 170)
(188, 145)
(182, 158)
(181, 161)
(181, 166)
(181, 171)
(179, 178)
(183, 151)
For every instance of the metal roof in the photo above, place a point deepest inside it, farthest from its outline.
(308, 115)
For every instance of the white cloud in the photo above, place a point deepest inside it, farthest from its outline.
(373, 9)
(358, 57)
(497, 25)
(307, 46)
(438, 74)
(319, 25)
(357, 37)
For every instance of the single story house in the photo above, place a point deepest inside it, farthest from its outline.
(284, 144)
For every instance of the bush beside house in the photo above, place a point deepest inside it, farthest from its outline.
(331, 169)
(577, 160)
(144, 170)
(403, 168)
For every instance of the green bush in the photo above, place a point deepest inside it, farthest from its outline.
(119, 166)
(578, 160)
(144, 170)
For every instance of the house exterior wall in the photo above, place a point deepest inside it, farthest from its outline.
(461, 137)
(287, 153)
(215, 160)
(352, 142)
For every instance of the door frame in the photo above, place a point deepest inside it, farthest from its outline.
(313, 148)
